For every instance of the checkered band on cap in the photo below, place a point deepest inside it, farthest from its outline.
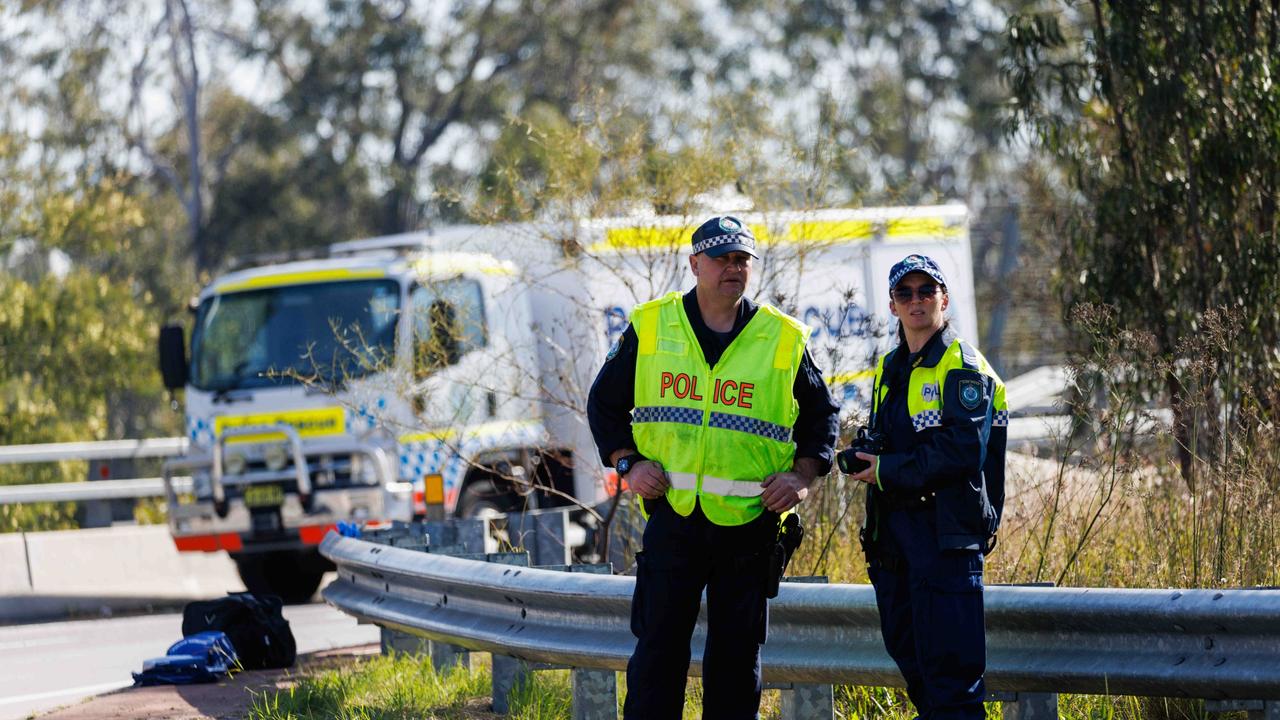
(666, 413)
(740, 423)
(915, 263)
(926, 419)
(1000, 418)
(742, 238)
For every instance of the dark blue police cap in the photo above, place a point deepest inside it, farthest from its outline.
(724, 234)
(915, 263)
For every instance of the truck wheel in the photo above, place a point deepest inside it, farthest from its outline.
(294, 576)
(482, 498)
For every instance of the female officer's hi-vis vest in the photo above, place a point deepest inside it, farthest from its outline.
(924, 387)
(717, 434)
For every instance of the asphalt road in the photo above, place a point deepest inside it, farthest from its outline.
(54, 664)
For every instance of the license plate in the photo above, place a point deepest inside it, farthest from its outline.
(256, 496)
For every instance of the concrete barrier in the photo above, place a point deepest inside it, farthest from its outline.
(104, 569)
(13, 564)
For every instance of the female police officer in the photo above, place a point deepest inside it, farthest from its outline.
(934, 495)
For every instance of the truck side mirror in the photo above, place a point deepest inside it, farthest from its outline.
(173, 357)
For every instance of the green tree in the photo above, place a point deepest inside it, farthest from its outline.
(1166, 120)
(78, 360)
(909, 86)
(414, 95)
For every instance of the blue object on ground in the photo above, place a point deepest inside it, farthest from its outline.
(200, 658)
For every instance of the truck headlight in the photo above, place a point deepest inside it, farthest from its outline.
(276, 457)
(363, 471)
(235, 464)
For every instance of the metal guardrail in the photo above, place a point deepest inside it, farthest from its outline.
(120, 489)
(94, 450)
(1212, 644)
(88, 491)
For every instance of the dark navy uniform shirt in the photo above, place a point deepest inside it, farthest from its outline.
(613, 394)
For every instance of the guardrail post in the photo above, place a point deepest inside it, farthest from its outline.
(446, 655)
(808, 702)
(595, 692)
(102, 513)
(1256, 709)
(804, 701)
(542, 534)
(508, 672)
(468, 533)
(625, 534)
(425, 537)
(1028, 706)
(394, 641)
(454, 536)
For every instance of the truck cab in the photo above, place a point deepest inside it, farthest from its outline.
(345, 389)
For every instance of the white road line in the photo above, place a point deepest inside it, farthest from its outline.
(86, 690)
(35, 642)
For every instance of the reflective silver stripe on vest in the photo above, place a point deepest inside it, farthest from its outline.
(926, 419)
(715, 485)
(741, 423)
(666, 413)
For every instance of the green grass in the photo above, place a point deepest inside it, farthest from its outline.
(403, 687)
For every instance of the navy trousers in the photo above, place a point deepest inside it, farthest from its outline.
(681, 556)
(930, 603)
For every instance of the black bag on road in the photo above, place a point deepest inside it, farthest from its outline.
(254, 623)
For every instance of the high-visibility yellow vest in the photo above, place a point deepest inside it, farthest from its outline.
(718, 433)
(924, 386)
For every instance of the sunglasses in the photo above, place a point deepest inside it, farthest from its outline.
(926, 291)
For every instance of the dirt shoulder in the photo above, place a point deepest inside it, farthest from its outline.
(229, 699)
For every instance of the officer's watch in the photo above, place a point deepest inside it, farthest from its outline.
(625, 464)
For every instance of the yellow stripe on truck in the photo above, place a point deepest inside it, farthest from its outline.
(437, 265)
(845, 378)
(651, 237)
(805, 231)
(644, 238)
(909, 228)
(496, 427)
(309, 423)
(829, 230)
(299, 278)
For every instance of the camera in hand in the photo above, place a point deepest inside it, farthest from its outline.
(867, 441)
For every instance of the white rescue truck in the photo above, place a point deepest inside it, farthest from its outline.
(445, 373)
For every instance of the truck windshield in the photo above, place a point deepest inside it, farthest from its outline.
(326, 332)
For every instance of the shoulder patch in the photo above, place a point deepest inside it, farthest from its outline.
(970, 394)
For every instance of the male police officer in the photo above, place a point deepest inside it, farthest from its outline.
(713, 412)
